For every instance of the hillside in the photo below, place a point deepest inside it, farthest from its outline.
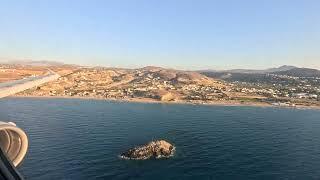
(160, 84)
(253, 71)
(300, 72)
(272, 75)
(149, 82)
(176, 76)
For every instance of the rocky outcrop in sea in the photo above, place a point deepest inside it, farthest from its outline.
(154, 149)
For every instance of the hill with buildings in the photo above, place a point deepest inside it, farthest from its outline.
(156, 84)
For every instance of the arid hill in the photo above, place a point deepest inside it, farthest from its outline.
(147, 83)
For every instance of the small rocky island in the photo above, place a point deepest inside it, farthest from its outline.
(156, 149)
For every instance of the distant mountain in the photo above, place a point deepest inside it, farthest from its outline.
(35, 63)
(264, 71)
(254, 76)
(279, 69)
(246, 75)
(242, 77)
(300, 72)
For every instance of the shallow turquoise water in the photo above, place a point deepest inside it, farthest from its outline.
(81, 139)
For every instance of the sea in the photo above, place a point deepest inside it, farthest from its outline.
(80, 139)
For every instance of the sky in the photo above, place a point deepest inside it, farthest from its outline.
(184, 34)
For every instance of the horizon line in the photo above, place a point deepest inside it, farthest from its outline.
(27, 60)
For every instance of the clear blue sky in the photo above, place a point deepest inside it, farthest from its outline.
(188, 34)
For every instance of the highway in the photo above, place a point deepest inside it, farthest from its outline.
(14, 87)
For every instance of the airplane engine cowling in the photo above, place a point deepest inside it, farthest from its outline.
(13, 142)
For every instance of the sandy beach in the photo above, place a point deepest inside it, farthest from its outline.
(149, 100)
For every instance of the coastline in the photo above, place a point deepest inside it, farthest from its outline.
(153, 101)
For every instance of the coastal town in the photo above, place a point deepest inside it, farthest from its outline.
(286, 90)
(155, 84)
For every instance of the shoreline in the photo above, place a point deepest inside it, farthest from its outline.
(152, 101)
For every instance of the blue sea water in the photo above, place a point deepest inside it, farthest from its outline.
(81, 139)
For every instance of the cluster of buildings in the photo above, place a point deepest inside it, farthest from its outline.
(273, 92)
(283, 91)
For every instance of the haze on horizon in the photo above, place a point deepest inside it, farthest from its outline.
(183, 34)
